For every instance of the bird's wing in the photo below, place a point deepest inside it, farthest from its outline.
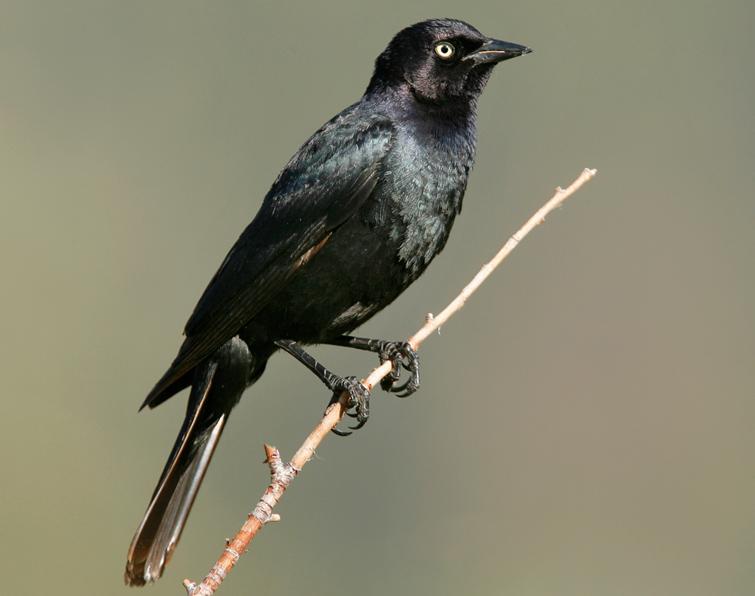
(323, 185)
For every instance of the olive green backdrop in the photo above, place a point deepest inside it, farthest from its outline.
(585, 425)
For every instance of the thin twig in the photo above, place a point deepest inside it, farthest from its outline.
(282, 474)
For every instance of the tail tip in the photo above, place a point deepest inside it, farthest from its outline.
(139, 575)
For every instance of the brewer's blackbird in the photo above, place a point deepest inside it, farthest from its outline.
(355, 217)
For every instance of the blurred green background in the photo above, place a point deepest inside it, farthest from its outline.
(585, 425)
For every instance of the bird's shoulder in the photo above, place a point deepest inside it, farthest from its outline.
(354, 141)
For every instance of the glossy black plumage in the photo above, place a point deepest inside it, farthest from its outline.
(356, 215)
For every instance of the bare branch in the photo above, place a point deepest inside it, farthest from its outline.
(282, 474)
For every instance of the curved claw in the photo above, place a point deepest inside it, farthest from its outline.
(401, 355)
(403, 391)
(392, 377)
(340, 433)
(400, 388)
(359, 425)
(407, 388)
(359, 400)
(407, 392)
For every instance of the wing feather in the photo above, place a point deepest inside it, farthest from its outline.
(322, 186)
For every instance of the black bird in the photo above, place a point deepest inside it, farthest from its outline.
(355, 217)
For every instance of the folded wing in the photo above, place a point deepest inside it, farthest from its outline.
(322, 186)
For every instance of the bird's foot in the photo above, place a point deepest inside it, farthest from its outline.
(401, 355)
(358, 405)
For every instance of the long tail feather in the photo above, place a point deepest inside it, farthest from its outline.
(217, 387)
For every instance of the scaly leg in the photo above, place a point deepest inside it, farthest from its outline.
(359, 397)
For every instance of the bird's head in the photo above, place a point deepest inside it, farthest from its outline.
(440, 61)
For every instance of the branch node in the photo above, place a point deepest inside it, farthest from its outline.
(263, 509)
(234, 554)
(217, 574)
(190, 586)
(271, 454)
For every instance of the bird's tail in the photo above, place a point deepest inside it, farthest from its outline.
(217, 387)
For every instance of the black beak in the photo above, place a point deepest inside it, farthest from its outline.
(495, 50)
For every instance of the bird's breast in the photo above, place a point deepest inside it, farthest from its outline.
(419, 195)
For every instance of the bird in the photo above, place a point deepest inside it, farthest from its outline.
(354, 218)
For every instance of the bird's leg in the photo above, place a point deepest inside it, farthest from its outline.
(399, 353)
(359, 396)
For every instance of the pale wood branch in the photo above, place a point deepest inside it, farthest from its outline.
(282, 474)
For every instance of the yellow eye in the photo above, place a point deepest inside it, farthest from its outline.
(445, 50)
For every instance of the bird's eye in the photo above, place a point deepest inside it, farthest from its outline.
(445, 50)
